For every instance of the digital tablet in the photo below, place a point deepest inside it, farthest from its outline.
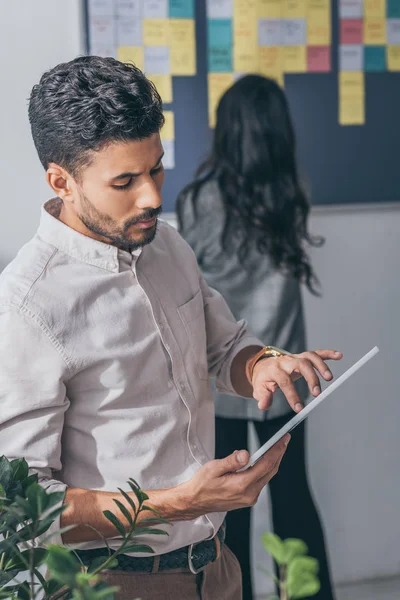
(290, 425)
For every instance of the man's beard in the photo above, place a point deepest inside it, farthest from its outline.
(104, 226)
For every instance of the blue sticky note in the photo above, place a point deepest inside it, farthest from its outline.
(219, 32)
(393, 9)
(375, 58)
(220, 59)
(181, 9)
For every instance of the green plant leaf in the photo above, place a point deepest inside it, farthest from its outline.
(301, 565)
(115, 521)
(20, 469)
(124, 511)
(274, 546)
(305, 589)
(150, 531)
(24, 591)
(292, 548)
(98, 562)
(129, 500)
(37, 499)
(29, 480)
(138, 548)
(154, 521)
(58, 532)
(52, 586)
(62, 564)
(6, 472)
(21, 559)
(7, 576)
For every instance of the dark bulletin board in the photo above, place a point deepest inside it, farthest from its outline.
(344, 165)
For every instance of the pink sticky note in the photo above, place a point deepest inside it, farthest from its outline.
(318, 59)
(351, 31)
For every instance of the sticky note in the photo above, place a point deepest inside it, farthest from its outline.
(352, 110)
(182, 47)
(393, 31)
(129, 31)
(294, 9)
(351, 9)
(169, 154)
(156, 32)
(375, 58)
(351, 58)
(294, 32)
(220, 59)
(129, 8)
(218, 83)
(245, 52)
(393, 9)
(375, 31)
(270, 32)
(163, 84)
(271, 9)
(157, 60)
(393, 58)
(103, 51)
(319, 34)
(374, 8)
(351, 84)
(181, 9)
(219, 32)
(294, 59)
(102, 31)
(270, 59)
(318, 59)
(155, 9)
(351, 31)
(131, 54)
(168, 130)
(101, 8)
(219, 9)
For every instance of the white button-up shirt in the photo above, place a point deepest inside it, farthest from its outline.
(105, 360)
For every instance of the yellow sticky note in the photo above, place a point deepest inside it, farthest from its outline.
(182, 47)
(352, 110)
(270, 9)
(294, 59)
(393, 58)
(168, 130)
(245, 8)
(374, 8)
(319, 33)
(245, 49)
(321, 7)
(132, 54)
(374, 31)
(351, 83)
(295, 9)
(218, 83)
(163, 84)
(270, 60)
(155, 32)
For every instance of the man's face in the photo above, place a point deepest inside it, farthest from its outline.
(118, 196)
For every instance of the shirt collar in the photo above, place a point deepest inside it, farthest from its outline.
(78, 245)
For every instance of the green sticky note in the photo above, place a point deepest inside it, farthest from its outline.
(219, 32)
(181, 9)
(374, 58)
(220, 59)
(393, 9)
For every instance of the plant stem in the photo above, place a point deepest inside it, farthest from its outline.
(3, 556)
(282, 583)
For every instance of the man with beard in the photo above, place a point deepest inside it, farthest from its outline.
(108, 338)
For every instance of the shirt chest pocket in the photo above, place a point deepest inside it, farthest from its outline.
(192, 316)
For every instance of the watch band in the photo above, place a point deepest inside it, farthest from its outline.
(266, 352)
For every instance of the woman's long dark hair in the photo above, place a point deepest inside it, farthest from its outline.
(253, 161)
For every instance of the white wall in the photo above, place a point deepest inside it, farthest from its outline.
(353, 440)
(34, 36)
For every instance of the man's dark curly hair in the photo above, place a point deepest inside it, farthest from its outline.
(81, 106)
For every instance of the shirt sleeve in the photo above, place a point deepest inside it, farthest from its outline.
(32, 398)
(226, 337)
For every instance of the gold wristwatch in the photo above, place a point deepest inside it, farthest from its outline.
(266, 352)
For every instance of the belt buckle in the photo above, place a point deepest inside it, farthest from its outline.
(192, 568)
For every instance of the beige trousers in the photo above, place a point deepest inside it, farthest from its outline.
(220, 580)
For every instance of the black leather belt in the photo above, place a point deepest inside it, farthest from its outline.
(193, 558)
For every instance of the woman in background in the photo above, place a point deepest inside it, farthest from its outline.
(245, 216)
